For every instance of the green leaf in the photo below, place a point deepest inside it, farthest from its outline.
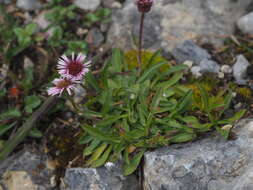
(183, 103)
(96, 154)
(103, 158)
(156, 100)
(132, 166)
(89, 149)
(27, 82)
(31, 102)
(170, 82)
(183, 137)
(108, 121)
(223, 132)
(11, 113)
(148, 74)
(227, 102)
(35, 133)
(31, 28)
(204, 97)
(5, 128)
(154, 56)
(117, 60)
(100, 135)
(85, 139)
(91, 80)
(233, 119)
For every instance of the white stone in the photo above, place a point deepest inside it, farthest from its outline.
(226, 69)
(240, 69)
(245, 23)
(188, 63)
(87, 5)
(28, 5)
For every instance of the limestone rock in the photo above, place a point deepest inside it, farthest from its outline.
(28, 5)
(171, 22)
(209, 66)
(188, 50)
(240, 70)
(104, 178)
(26, 166)
(87, 5)
(208, 164)
(245, 23)
(18, 180)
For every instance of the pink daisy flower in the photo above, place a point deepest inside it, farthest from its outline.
(61, 85)
(73, 67)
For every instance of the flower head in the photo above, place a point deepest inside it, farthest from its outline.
(73, 67)
(144, 5)
(62, 84)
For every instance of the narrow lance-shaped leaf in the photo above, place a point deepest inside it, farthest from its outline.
(233, 119)
(89, 149)
(183, 137)
(132, 166)
(171, 82)
(103, 158)
(148, 74)
(96, 154)
(5, 128)
(204, 96)
(100, 135)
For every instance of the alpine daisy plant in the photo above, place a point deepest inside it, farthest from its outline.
(130, 110)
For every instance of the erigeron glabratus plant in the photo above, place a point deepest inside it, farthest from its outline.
(132, 110)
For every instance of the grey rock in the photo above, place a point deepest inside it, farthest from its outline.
(195, 70)
(28, 5)
(104, 178)
(108, 3)
(240, 70)
(209, 66)
(245, 23)
(26, 163)
(5, 1)
(95, 37)
(208, 164)
(188, 50)
(87, 5)
(171, 22)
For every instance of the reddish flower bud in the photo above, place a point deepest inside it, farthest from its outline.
(144, 6)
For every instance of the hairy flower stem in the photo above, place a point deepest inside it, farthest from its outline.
(140, 43)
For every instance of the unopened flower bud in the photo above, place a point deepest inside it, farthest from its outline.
(144, 6)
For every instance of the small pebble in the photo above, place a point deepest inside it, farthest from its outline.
(226, 69)
(188, 63)
(221, 75)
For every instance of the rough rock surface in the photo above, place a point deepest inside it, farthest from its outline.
(189, 51)
(28, 5)
(240, 70)
(87, 5)
(208, 164)
(245, 23)
(108, 177)
(26, 170)
(209, 66)
(173, 21)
